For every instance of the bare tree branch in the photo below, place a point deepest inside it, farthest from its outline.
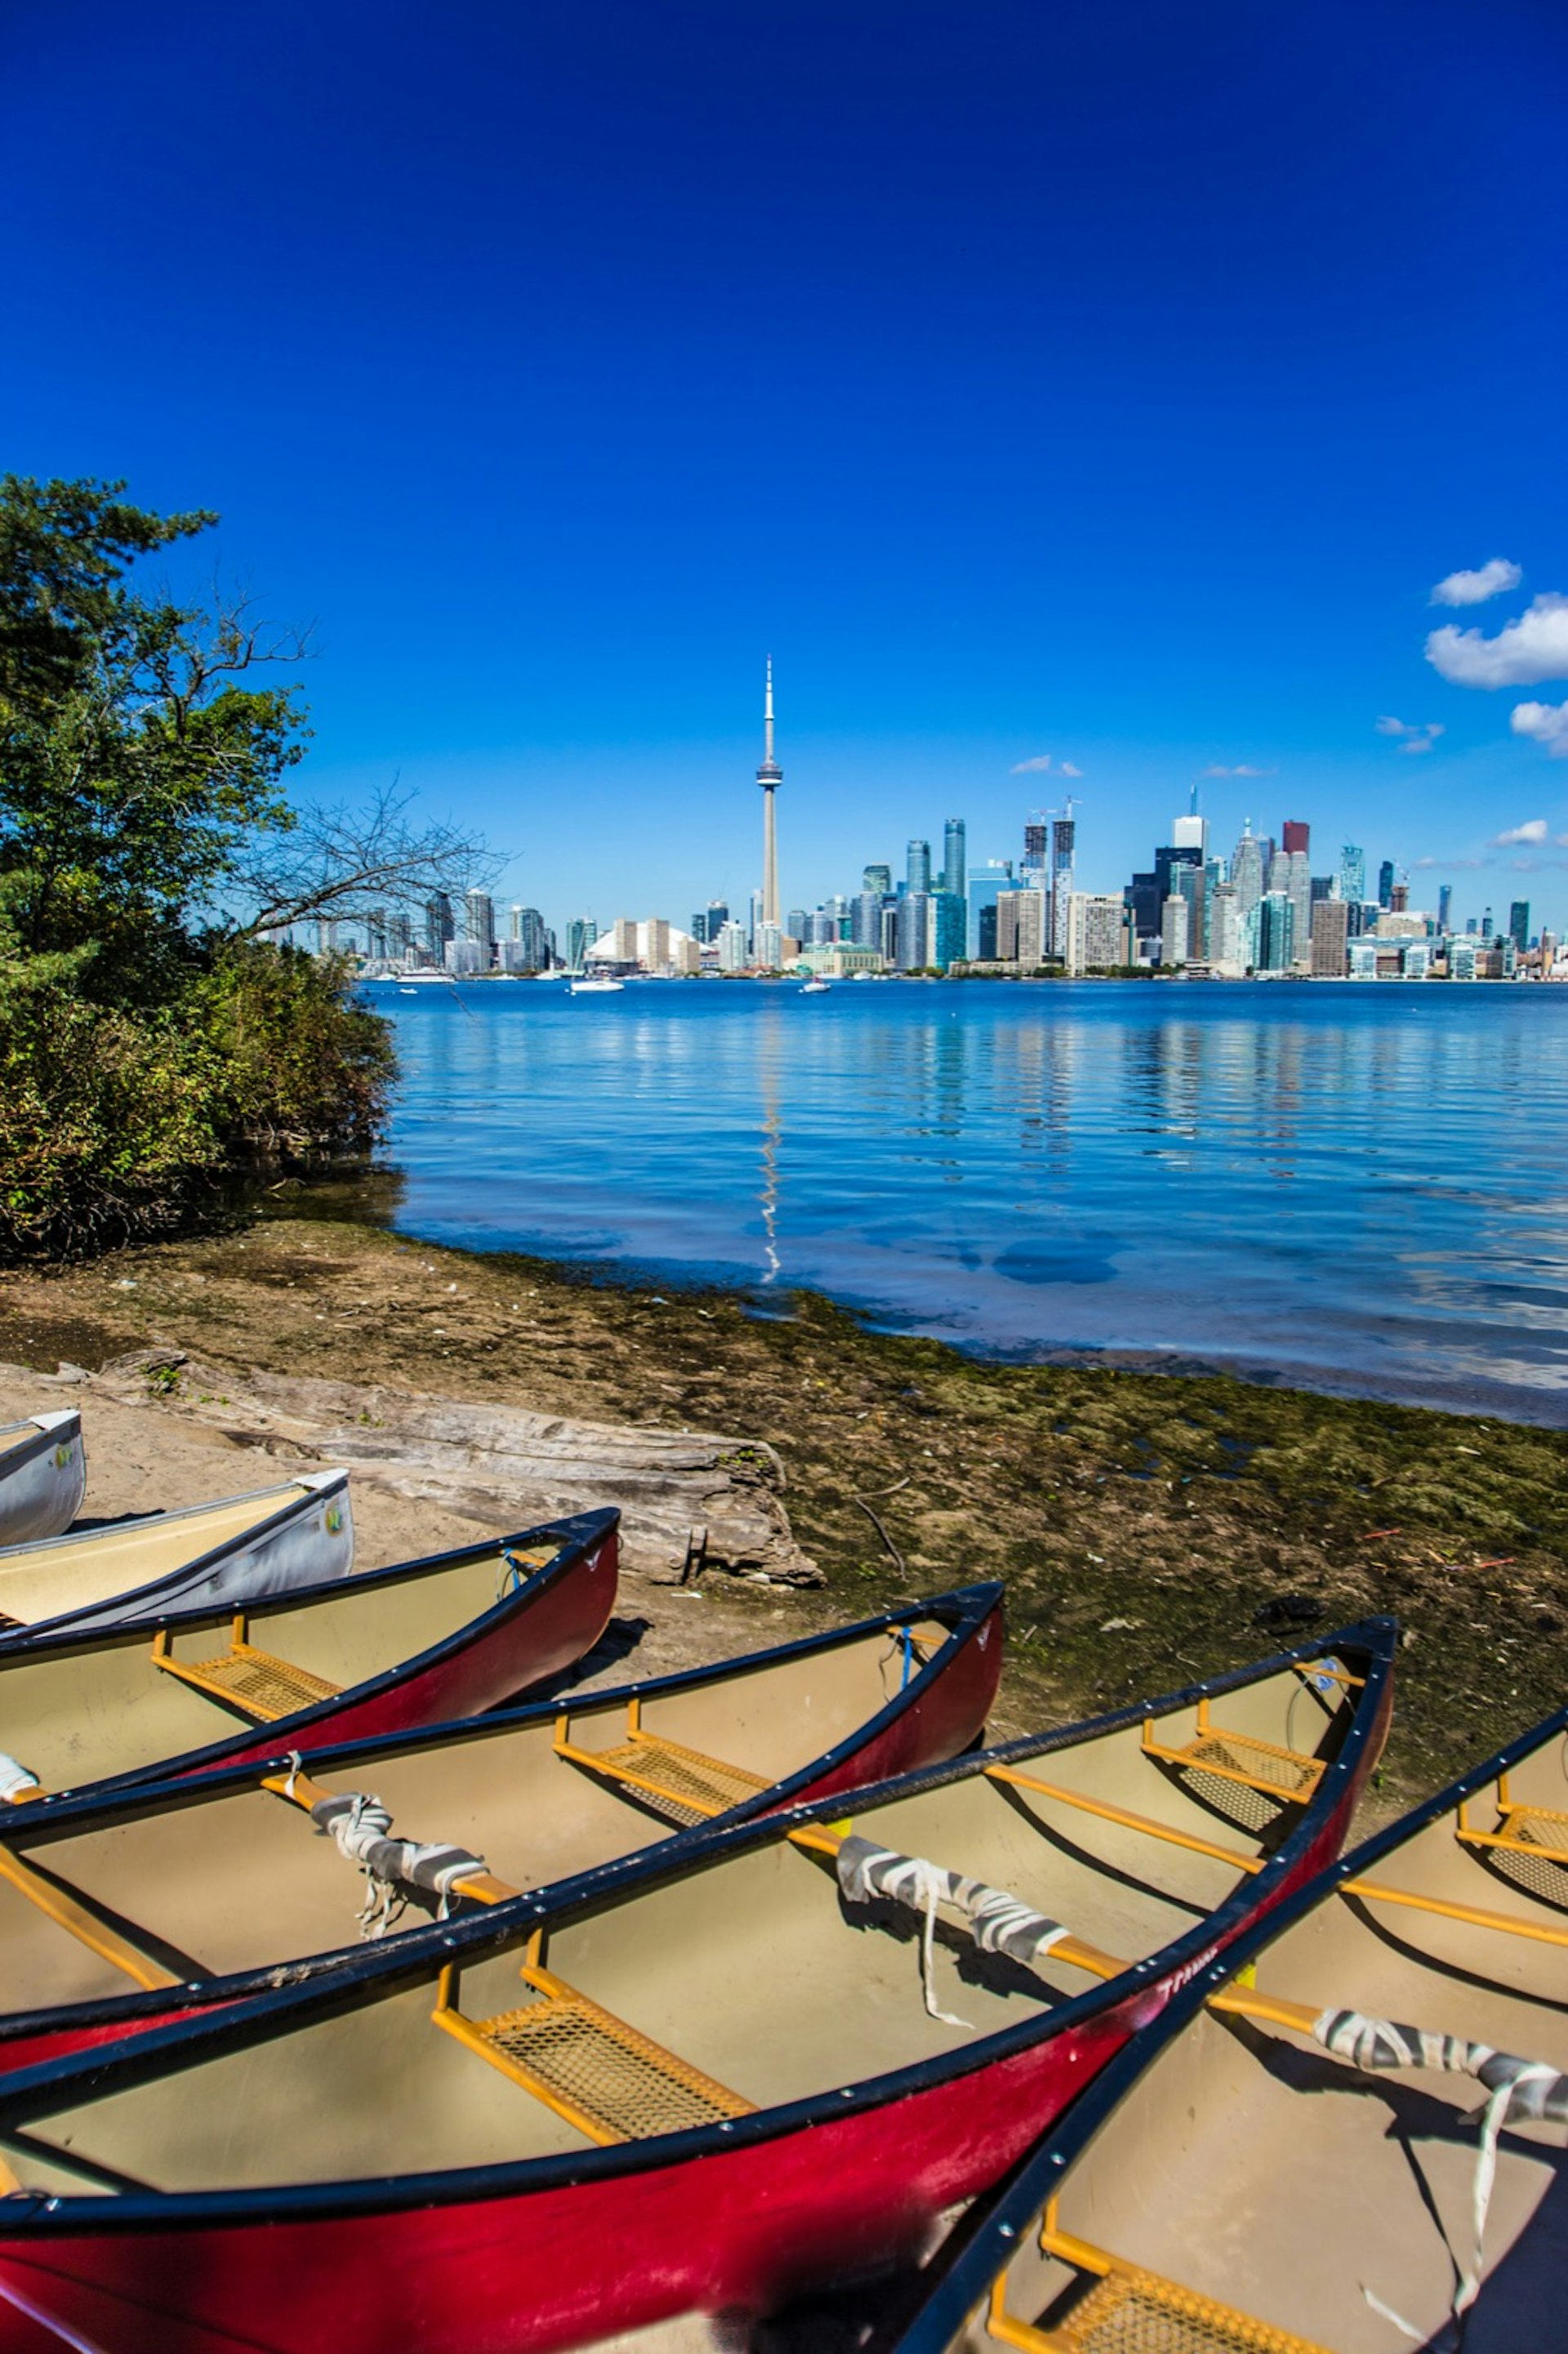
(343, 863)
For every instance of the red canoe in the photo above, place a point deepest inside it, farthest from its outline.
(731, 2069)
(89, 1713)
(119, 1913)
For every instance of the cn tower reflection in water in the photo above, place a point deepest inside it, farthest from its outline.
(1358, 1187)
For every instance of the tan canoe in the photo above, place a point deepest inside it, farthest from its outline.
(712, 2074)
(1296, 2157)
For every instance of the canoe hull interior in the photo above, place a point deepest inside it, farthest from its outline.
(725, 1955)
(43, 1478)
(375, 1653)
(228, 1887)
(241, 1550)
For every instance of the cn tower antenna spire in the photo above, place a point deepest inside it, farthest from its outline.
(771, 776)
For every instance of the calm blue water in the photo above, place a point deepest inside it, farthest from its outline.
(1354, 1188)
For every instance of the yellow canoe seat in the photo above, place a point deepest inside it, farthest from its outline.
(1129, 2311)
(261, 1687)
(686, 1785)
(601, 2073)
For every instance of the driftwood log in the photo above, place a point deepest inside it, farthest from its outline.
(690, 1500)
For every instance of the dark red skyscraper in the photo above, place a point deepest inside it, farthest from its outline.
(1295, 835)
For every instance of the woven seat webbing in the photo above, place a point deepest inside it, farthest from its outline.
(601, 2072)
(264, 1686)
(690, 1785)
(1130, 2311)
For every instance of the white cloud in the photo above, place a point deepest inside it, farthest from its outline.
(1534, 829)
(1069, 770)
(1416, 736)
(1244, 770)
(1474, 588)
(1035, 767)
(1547, 721)
(1533, 648)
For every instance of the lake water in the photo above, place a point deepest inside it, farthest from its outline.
(1354, 1188)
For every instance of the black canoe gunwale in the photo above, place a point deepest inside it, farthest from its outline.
(30, 2095)
(145, 1597)
(575, 1535)
(965, 1612)
(965, 2280)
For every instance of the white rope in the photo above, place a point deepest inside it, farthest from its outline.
(15, 1777)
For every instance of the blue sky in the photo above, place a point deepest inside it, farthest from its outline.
(1112, 383)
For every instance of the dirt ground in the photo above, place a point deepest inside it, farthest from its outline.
(1143, 1522)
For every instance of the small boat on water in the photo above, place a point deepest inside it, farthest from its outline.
(599, 984)
(1347, 2133)
(88, 1711)
(120, 1913)
(714, 2074)
(42, 1477)
(275, 1541)
(815, 989)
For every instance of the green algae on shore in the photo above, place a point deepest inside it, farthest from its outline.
(1151, 1527)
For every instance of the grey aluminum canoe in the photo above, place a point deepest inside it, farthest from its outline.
(43, 1475)
(242, 1549)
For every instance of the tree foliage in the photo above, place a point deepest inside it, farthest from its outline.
(149, 1040)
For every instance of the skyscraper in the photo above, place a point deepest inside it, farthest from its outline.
(914, 920)
(1352, 871)
(1276, 932)
(919, 869)
(955, 856)
(1064, 834)
(580, 936)
(769, 776)
(877, 878)
(1444, 908)
(1519, 924)
(1385, 883)
(1191, 830)
(1246, 869)
(1295, 837)
(438, 926)
(479, 921)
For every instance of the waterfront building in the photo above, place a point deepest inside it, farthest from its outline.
(528, 937)
(955, 856)
(1021, 928)
(1227, 944)
(478, 920)
(754, 915)
(913, 915)
(1362, 956)
(1064, 839)
(438, 926)
(1175, 918)
(1330, 940)
(917, 868)
(1097, 932)
(768, 948)
(1352, 871)
(733, 948)
(467, 956)
(1462, 960)
(1276, 932)
(1247, 869)
(581, 933)
(878, 879)
(1519, 924)
(1401, 924)
(890, 931)
(865, 918)
(769, 776)
(984, 883)
(1385, 883)
(949, 928)
(1415, 964)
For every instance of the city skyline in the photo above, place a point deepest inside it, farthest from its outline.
(1109, 438)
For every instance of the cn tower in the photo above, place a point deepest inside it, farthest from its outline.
(771, 776)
